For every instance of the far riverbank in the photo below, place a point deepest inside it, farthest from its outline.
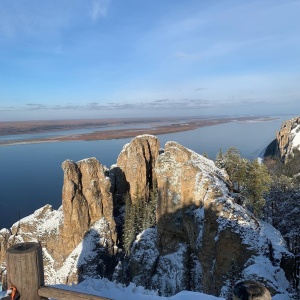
(101, 128)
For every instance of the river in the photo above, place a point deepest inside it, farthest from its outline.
(31, 174)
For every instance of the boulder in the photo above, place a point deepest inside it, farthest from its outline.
(250, 289)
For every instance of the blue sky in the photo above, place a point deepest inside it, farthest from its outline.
(122, 58)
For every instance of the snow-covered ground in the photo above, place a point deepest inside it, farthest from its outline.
(116, 291)
(112, 290)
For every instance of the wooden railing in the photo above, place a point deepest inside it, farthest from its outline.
(25, 272)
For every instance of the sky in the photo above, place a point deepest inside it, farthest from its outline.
(62, 59)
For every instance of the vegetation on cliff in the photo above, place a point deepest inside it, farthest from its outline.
(140, 214)
(272, 190)
(250, 179)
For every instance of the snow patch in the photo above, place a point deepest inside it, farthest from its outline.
(199, 219)
(262, 270)
(171, 273)
(84, 251)
(296, 137)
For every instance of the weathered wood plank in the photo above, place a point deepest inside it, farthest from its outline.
(60, 294)
(25, 269)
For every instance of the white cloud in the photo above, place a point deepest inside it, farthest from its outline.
(99, 9)
(46, 20)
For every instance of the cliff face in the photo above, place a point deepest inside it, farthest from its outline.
(287, 138)
(137, 161)
(202, 241)
(133, 175)
(86, 198)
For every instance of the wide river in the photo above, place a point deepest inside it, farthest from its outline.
(31, 174)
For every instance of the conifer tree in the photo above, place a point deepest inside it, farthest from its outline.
(205, 155)
(129, 230)
(257, 184)
(219, 161)
(150, 219)
(139, 215)
(235, 167)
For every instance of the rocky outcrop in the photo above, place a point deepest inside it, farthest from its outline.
(287, 138)
(79, 238)
(133, 175)
(137, 161)
(181, 184)
(250, 289)
(86, 198)
(203, 239)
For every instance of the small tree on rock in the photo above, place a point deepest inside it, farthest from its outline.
(257, 184)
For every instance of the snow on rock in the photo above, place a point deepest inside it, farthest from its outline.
(86, 259)
(144, 253)
(261, 269)
(91, 256)
(171, 272)
(264, 240)
(199, 218)
(41, 226)
(295, 133)
(288, 137)
(195, 209)
(43, 221)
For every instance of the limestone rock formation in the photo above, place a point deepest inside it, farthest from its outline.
(133, 175)
(137, 161)
(287, 138)
(286, 135)
(86, 198)
(203, 238)
(79, 238)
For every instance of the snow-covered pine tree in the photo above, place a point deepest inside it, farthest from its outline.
(219, 161)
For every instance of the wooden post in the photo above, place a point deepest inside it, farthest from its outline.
(25, 269)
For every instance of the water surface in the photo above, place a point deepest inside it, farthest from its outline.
(31, 174)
